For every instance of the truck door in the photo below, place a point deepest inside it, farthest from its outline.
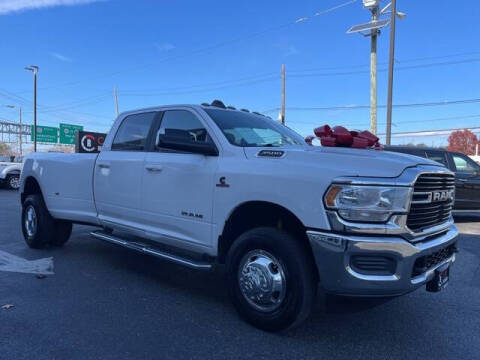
(177, 191)
(119, 172)
(467, 183)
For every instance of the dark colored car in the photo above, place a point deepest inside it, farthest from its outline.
(467, 173)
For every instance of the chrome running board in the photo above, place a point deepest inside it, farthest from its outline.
(148, 249)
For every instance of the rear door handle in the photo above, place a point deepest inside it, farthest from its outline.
(103, 166)
(153, 168)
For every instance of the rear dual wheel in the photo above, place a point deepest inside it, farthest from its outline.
(39, 228)
(271, 278)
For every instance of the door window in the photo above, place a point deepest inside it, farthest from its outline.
(184, 126)
(133, 132)
(438, 157)
(465, 165)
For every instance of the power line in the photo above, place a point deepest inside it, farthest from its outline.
(167, 92)
(60, 108)
(50, 110)
(265, 78)
(433, 132)
(401, 122)
(217, 83)
(408, 60)
(206, 49)
(421, 66)
(356, 107)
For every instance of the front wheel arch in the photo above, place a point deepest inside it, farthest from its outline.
(252, 214)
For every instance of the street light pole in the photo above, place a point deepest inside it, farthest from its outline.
(34, 69)
(390, 71)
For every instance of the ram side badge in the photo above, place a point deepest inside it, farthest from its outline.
(271, 153)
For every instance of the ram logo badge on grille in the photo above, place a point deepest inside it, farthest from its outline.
(442, 195)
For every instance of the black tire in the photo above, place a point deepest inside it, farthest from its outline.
(63, 230)
(40, 234)
(13, 181)
(46, 230)
(297, 268)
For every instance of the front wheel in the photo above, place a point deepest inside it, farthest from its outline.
(271, 279)
(13, 181)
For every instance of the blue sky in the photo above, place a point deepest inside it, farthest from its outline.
(167, 51)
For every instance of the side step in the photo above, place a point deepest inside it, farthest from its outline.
(147, 249)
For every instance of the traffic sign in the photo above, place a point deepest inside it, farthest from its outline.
(67, 133)
(45, 134)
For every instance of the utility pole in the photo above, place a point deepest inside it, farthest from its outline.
(373, 28)
(373, 73)
(282, 114)
(391, 62)
(116, 99)
(34, 69)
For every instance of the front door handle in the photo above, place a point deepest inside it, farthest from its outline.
(103, 166)
(153, 168)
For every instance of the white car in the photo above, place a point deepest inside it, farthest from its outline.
(10, 173)
(203, 185)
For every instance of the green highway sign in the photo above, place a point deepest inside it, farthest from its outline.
(45, 134)
(67, 133)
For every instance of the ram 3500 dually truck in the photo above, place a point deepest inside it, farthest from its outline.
(202, 185)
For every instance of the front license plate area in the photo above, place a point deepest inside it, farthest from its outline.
(440, 280)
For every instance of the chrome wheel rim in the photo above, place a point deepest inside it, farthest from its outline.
(262, 280)
(14, 182)
(30, 221)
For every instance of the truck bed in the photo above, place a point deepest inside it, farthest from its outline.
(66, 181)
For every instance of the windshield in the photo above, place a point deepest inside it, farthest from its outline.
(251, 130)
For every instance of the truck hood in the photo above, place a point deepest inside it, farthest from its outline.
(347, 161)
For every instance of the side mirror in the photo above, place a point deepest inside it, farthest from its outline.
(181, 144)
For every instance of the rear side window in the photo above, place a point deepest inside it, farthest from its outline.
(438, 157)
(133, 132)
(184, 126)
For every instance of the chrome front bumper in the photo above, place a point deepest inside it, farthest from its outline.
(333, 254)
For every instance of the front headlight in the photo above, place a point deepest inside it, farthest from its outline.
(367, 203)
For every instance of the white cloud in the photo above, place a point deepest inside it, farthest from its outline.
(9, 6)
(164, 46)
(60, 57)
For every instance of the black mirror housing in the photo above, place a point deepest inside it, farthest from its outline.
(176, 143)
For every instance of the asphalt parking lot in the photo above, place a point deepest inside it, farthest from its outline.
(105, 302)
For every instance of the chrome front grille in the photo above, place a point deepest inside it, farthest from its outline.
(432, 201)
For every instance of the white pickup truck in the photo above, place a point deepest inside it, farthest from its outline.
(203, 185)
